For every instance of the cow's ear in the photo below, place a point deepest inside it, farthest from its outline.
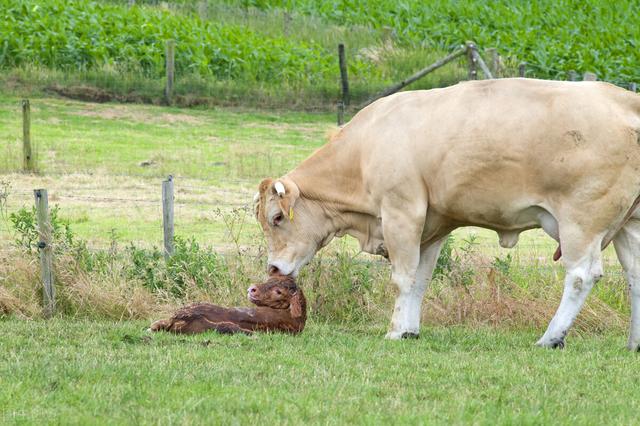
(287, 193)
(265, 185)
(261, 196)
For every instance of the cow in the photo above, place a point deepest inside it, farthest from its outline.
(508, 155)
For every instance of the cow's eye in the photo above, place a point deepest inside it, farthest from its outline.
(278, 292)
(277, 219)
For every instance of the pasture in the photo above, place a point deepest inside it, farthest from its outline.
(103, 163)
(71, 371)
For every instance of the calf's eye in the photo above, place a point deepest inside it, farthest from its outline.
(277, 219)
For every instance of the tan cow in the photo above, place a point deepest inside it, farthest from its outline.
(507, 155)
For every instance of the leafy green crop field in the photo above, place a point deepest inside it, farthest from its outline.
(79, 372)
(84, 34)
(562, 35)
(283, 54)
(553, 36)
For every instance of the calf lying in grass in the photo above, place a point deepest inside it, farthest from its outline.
(281, 307)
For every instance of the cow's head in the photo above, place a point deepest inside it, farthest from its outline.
(295, 228)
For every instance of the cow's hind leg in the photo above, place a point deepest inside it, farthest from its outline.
(627, 244)
(583, 264)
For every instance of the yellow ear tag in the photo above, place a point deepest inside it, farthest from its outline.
(290, 214)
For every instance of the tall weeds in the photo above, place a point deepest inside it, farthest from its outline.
(341, 286)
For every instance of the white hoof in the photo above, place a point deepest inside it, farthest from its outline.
(554, 343)
(397, 335)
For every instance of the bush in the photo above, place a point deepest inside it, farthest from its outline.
(190, 265)
(25, 224)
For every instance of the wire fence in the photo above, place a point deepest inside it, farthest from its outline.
(107, 189)
(224, 225)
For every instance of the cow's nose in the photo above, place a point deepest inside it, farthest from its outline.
(253, 289)
(273, 270)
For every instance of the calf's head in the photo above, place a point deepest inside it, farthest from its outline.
(294, 227)
(278, 293)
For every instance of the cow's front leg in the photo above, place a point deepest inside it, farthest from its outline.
(406, 314)
(402, 237)
(405, 322)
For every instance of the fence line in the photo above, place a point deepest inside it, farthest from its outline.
(45, 249)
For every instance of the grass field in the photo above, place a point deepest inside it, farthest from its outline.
(79, 372)
(475, 362)
(103, 163)
(97, 159)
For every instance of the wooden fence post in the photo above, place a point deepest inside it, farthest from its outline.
(167, 216)
(286, 22)
(46, 251)
(27, 154)
(202, 10)
(473, 69)
(480, 62)
(522, 69)
(343, 76)
(589, 76)
(340, 113)
(494, 61)
(170, 70)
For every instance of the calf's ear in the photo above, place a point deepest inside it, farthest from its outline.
(295, 306)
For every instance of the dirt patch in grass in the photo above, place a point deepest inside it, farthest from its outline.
(287, 127)
(83, 93)
(135, 114)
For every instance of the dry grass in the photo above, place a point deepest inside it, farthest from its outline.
(340, 289)
(497, 301)
(78, 293)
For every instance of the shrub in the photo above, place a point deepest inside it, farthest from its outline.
(190, 265)
(26, 226)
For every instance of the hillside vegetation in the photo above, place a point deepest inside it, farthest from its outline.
(283, 53)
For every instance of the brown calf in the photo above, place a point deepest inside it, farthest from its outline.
(281, 307)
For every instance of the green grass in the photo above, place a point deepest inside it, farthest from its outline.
(89, 156)
(103, 372)
(210, 144)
